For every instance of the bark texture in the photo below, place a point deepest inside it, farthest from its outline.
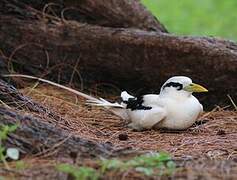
(35, 136)
(131, 59)
(110, 13)
(11, 97)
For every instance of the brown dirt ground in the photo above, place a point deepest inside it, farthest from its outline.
(208, 150)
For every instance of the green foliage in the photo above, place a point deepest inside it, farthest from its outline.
(2, 155)
(78, 173)
(5, 130)
(107, 164)
(20, 165)
(197, 17)
(149, 164)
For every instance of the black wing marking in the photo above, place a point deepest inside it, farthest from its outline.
(136, 104)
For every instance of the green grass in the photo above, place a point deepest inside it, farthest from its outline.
(197, 17)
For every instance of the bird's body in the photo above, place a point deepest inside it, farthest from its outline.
(174, 108)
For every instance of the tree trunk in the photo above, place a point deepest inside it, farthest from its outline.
(34, 136)
(109, 13)
(13, 98)
(128, 58)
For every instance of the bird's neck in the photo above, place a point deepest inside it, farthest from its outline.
(176, 95)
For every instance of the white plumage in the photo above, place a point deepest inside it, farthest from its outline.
(174, 108)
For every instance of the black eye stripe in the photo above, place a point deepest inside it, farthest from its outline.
(177, 85)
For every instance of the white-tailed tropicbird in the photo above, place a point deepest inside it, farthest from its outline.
(174, 108)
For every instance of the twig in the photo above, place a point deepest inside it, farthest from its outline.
(232, 101)
(4, 104)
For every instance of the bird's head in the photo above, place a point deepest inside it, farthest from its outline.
(181, 85)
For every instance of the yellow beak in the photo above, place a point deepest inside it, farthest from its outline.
(195, 88)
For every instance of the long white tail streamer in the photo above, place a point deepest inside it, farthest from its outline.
(54, 84)
(90, 99)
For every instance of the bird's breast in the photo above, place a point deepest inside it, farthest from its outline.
(180, 114)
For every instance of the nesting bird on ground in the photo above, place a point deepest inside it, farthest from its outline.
(174, 108)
